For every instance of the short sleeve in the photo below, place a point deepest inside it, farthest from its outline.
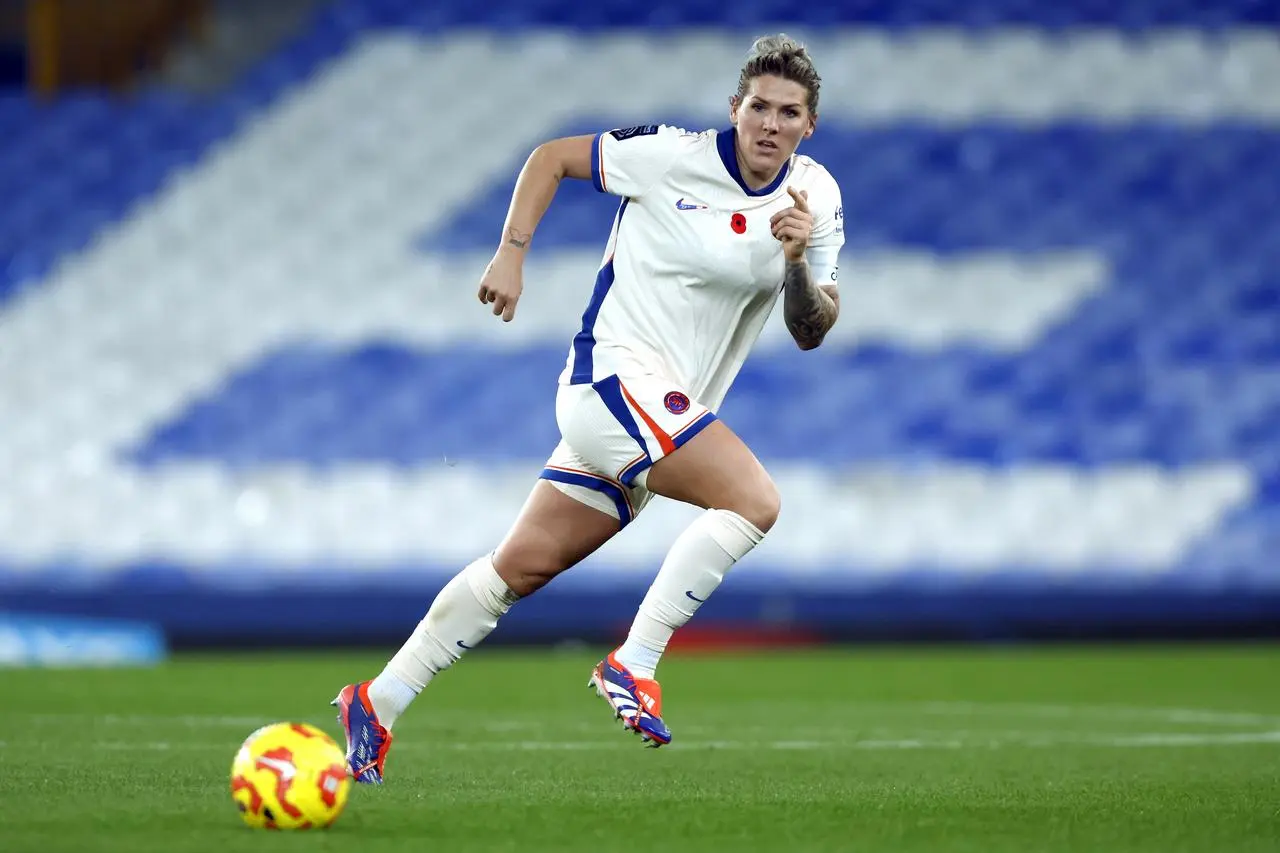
(823, 254)
(828, 214)
(629, 161)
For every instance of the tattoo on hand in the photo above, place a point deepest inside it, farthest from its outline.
(517, 238)
(809, 313)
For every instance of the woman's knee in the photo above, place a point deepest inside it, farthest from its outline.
(759, 504)
(716, 470)
(525, 567)
(553, 533)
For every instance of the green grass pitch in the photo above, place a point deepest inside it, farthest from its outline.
(1159, 749)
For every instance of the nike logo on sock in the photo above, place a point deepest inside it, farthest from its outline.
(689, 593)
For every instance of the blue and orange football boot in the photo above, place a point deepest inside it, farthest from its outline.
(635, 701)
(367, 739)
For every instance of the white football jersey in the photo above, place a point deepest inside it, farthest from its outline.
(691, 270)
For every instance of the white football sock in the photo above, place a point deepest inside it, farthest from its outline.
(462, 615)
(694, 567)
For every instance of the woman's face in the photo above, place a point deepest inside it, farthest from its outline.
(771, 119)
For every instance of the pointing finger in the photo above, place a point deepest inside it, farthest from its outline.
(801, 198)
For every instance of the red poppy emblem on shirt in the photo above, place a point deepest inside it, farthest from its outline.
(738, 223)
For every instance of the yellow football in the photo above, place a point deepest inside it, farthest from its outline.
(290, 776)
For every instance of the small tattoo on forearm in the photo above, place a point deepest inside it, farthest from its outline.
(809, 313)
(517, 238)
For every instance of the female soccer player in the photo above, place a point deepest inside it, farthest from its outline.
(712, 227)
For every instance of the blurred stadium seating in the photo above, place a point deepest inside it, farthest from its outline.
(244, 378)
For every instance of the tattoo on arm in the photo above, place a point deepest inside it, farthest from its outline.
(516, 237)
(809, 311)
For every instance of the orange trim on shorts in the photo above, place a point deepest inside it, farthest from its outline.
(664, 440)
(638, 457)
(674, 436)
(595, 476)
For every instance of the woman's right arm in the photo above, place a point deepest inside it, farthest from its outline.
(549, 163)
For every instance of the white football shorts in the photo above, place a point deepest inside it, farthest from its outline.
(612, 431)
